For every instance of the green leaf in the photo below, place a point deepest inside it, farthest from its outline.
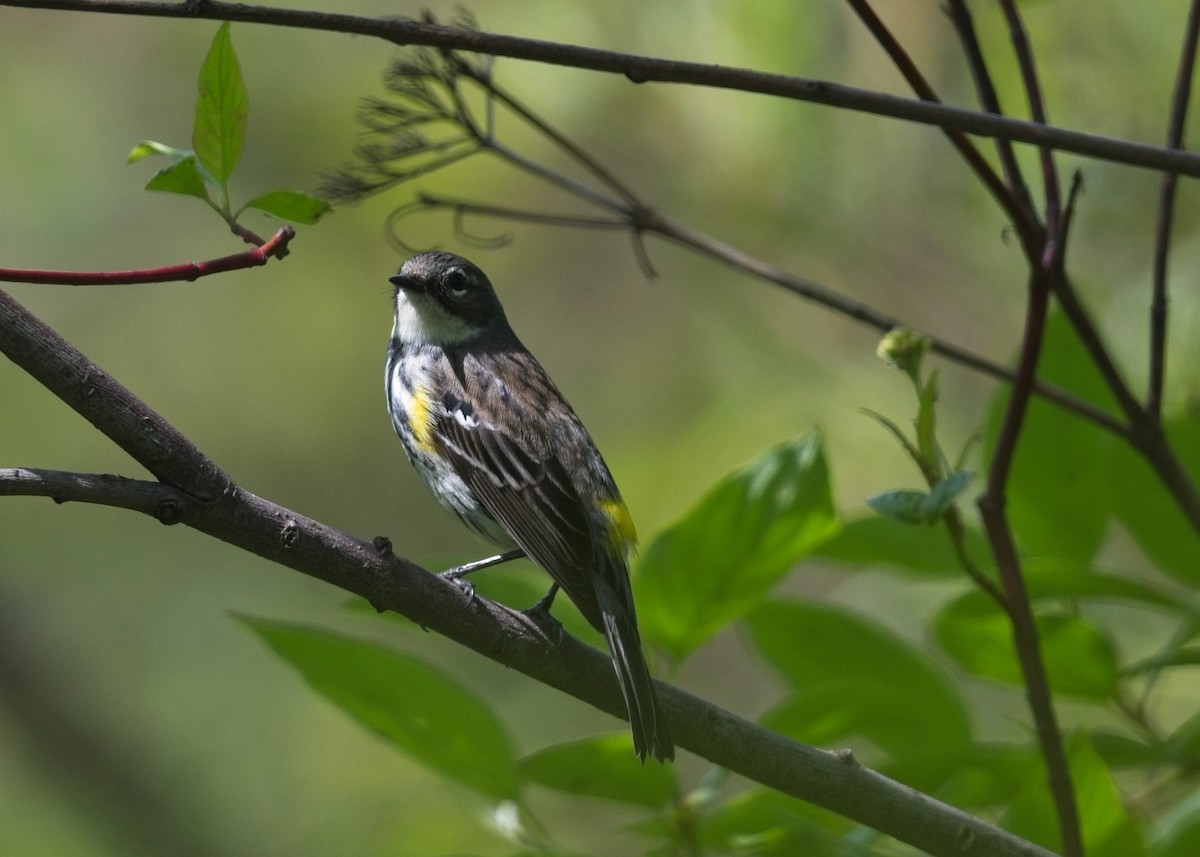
(765, 823)
(1064, 579)
(719, 561)
(881, 543)
(895, 431)
(409, 703)
(291, 205)
(1119, 750)
(149, 147)
(900, 505)
(853, 677)
(1177, 834)
(1108, 829)
(1059, 495)
(182, 177)
(990, 775)
(1079, 658)
(943, 495)
(1147, 510)
(219, 130)
(603, 767)
(921, 507)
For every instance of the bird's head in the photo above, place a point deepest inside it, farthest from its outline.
(443, 299)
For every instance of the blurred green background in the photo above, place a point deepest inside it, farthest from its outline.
(276, 373)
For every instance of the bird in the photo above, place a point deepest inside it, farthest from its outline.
(498, 445)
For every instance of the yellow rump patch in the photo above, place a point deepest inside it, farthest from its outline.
(623, 532)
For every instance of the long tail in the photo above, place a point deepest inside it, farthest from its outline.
(651, 734)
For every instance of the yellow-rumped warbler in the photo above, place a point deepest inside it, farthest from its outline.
(499, 446)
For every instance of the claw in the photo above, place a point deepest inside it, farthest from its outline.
(540, 615)
(456, 576)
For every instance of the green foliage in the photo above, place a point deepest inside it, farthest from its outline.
(851, 678)
(1060, 493)
(602, 767)
(218, 137)
(1108, 828)
(719, 561)
(406, 701)
(907, 704)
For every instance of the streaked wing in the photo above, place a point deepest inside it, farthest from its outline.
(530, 495)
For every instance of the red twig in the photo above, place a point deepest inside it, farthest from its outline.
(276, 245)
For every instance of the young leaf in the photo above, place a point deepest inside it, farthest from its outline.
(719, 561)
(894, 430)
(149, 147)
(409, 703)
(182, 177)
(219, 130)
(900, 505)
(603, 767)
(942, 495)
(291, 205)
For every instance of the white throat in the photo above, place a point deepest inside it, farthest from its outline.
(421, 320)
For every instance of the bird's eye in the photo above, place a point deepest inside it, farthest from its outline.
(457, 282)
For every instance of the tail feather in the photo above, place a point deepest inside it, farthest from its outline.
(651, 734)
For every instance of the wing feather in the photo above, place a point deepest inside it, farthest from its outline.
(530, 494)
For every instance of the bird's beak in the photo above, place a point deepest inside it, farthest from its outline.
(400, 281)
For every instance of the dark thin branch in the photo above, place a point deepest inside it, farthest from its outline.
(960, 17)
(1020, 216)
(641, 69)
(1166, 211)
(275, 246)
(648, 221)
(1037, 112)
(1024, 628)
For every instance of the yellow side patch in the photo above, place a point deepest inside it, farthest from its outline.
(623, 532)
(420, 419)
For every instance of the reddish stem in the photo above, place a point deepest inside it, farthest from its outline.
(275, 246)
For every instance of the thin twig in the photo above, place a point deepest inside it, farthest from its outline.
(1037, 112)
(275, 246)
(1026, 226)
(642, 69)
(960, 17)
(1024, 628)
(1166, 210)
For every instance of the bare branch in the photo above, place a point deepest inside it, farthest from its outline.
(1166, 210)
(1021, 216)
(642, 69)
(101, 400)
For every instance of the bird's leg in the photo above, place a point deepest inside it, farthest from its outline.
(456, 574)
(540, 613)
